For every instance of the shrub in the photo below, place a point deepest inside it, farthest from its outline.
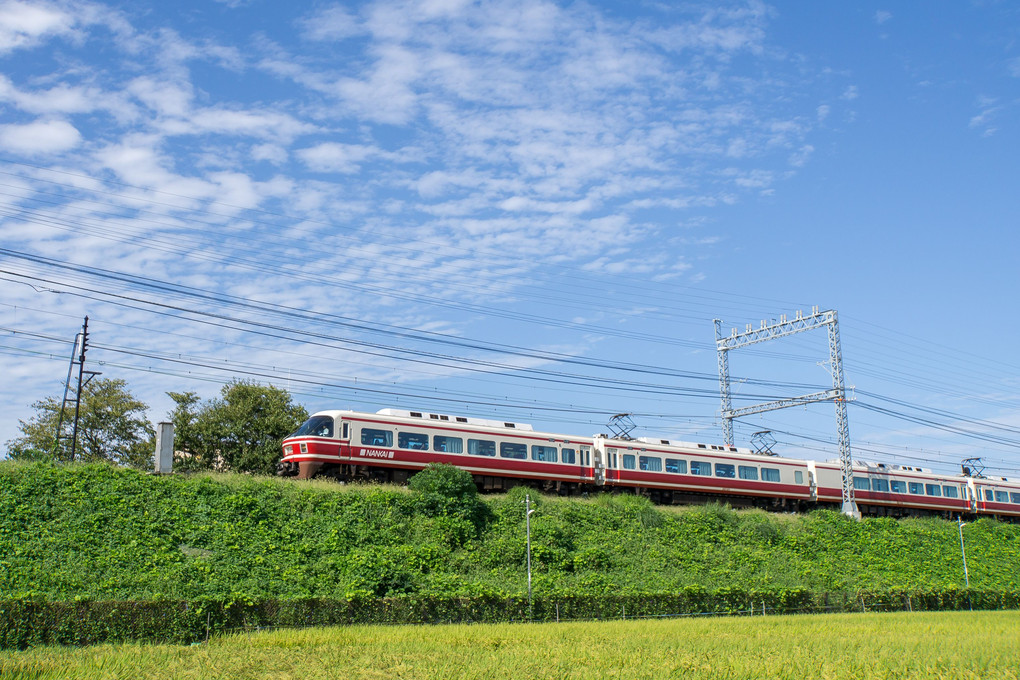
(442, 490)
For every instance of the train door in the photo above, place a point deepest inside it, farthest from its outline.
(612, 464)
(599, 460)
(344, 429)
(587, 473)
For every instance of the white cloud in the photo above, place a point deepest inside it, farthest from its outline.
(165, 98)
(756, 179)
(272, 153)
(850, 93)
(882, 16)
(983, 121)
(331, 23)
(39, 137)
(386, 94)
(25, 24)
(800, 157)
(58, 100)
(335, 157)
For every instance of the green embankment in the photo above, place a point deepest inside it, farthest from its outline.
(100, 533)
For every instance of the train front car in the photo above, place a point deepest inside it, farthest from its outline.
(319, 445)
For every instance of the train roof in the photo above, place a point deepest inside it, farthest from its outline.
(425, 415)
(693, 445)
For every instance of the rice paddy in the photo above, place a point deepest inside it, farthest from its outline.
(945, 645)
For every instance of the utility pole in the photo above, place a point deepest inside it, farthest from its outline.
(81, 343)
(837, 394)
(527, 522)
(963, 552)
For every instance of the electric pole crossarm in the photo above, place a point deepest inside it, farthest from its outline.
(780, 330)
(827, 395)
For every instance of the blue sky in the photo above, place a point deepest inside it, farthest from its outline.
(522, 210)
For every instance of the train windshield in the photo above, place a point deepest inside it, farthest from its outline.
(316, 426)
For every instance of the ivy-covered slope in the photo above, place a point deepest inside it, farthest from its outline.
(98, 532)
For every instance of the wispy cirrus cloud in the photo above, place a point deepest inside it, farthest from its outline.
(391, 159)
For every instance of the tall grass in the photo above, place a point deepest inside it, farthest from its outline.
(974, 645)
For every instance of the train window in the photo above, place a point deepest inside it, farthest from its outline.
(372, 437)
(880, 485)
(916, 487)
(481, 447)
(546, 454)
(933, 489)
(568, 456)
(862, 483)
(747, 472)
(629, 461)
(897, 486)
(769, 474)
(1001, 497)
(950, 491)
(1014, 497)
(725, 470)
(701, 468)
(413, 440)
(448, 444)
(346, 431)
(988, 495)
(513, 450)
(798, 476)
(676, 466)
(316, 426)
(650, 463)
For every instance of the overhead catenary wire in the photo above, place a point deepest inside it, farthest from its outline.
(865, 362)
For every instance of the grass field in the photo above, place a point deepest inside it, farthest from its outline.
(982, 645)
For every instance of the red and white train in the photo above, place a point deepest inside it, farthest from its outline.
(393, 444)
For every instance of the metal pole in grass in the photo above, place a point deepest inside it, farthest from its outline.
(963, 552)
(527, 521)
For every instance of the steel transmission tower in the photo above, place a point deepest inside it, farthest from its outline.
(837, 394)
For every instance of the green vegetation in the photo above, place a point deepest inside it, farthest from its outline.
(103, 533)
(918, 646)
(240, 431)
(111, 426)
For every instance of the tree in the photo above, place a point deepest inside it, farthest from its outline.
(187, 440)
(111, 426)
(242, 430)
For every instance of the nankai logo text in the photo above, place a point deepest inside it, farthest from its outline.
(375, 453)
